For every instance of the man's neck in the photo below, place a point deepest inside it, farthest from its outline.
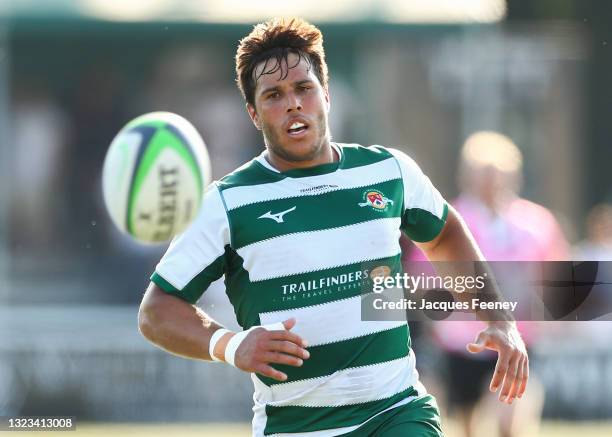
(327, 156)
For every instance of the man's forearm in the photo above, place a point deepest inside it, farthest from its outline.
(185, 330)
(174, 325)
(456, 247)
(455, 253)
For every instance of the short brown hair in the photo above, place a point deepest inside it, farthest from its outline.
(276, 39)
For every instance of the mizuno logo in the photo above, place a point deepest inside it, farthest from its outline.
(277, 217)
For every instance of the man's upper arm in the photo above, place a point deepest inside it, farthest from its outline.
(425, 210)
(449, 225)
(156, 300)
(196, 257)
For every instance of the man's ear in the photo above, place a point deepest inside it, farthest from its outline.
(253, 114)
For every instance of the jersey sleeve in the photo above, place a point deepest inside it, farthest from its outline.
(196, 258)
(425, 210)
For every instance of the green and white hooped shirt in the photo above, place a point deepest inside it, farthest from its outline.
(302, 244)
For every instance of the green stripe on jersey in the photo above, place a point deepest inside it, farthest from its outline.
(251, 173)
(356, 156)
(362, 351)
(307, 419)
(195, 288)
(422, 226)
(312, 213)
(254, 173)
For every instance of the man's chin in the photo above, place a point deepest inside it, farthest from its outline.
(297, 152)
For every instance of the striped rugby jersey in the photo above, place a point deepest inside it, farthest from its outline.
(303, 244)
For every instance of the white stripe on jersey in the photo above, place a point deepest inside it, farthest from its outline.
(351, 386)
(341, 319)
(322, 249)
(418, 189)
(200, 245)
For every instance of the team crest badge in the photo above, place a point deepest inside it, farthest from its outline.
(376, 200)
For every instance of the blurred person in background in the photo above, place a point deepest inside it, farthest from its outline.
(507, 228)
(598, 244)
(40, 133)
(598, 247)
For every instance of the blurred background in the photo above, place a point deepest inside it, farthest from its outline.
(420, 76)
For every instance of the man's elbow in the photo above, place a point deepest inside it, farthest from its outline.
(146, 321)
(151, 313)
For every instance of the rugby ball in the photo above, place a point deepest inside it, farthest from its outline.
(154, 176)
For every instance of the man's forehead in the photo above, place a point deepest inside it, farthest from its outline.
(293, 68)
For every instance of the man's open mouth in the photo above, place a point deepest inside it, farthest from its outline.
(296, 128)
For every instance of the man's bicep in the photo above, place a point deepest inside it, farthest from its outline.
(428, 245)
(157, 305)
(155, 297)
(422, 225)
(454, 242)
(191, 288)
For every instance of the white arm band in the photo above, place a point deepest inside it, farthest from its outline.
(237, 339)
(214, 340)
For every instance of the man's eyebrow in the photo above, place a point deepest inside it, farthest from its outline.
(277, 88)
(304, 81)
(267, 90)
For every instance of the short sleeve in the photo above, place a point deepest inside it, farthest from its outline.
(196, 258)
(425, 210)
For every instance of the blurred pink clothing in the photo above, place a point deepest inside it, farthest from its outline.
(525, 231)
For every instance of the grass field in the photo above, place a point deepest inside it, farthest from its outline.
(549, 429)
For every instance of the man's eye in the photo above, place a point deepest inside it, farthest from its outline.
(274, 95)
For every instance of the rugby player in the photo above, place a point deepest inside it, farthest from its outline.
(296, 232)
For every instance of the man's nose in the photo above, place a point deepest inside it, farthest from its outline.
(293, 102)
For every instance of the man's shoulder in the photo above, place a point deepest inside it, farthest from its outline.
(250, 173)
(356, 155)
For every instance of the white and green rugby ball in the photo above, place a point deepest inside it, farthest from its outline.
(154, 176)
